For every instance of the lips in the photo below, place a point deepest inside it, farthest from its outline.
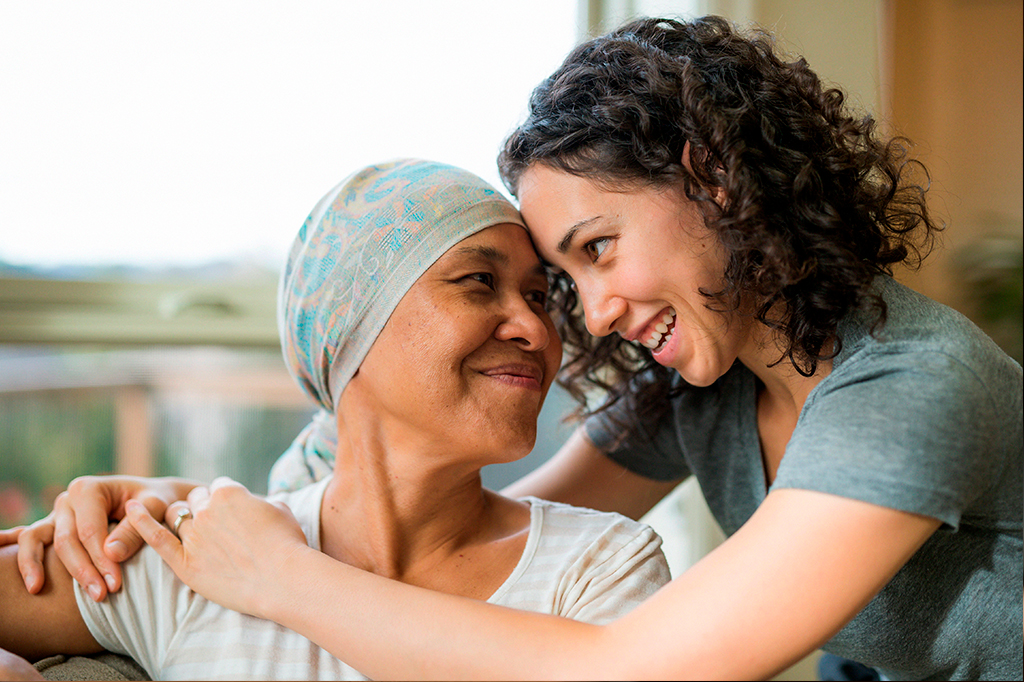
(517, 374)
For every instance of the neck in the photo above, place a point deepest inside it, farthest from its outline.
(391, 511)
(784, 386)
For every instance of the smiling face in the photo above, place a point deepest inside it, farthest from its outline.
(469, 353)
(639, 260)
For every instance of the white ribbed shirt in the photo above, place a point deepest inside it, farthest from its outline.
(578, 563)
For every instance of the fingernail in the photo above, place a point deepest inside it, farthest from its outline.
(95, 592)
(109, 579)
(116, 550)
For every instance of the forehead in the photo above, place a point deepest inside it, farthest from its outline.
(562, 209)
(505, 245)
(556, 204)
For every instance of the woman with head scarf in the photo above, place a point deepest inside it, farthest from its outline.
(412, 309)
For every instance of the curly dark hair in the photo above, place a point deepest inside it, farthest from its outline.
(817, 204)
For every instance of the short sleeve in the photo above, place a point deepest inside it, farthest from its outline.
(140, 620)
(616, 573)
(909, 431)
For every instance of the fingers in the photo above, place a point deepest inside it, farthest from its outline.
(10, 536)
(31, 547)
(199, 497)
(70, 547)
(156, 536)
(124, 541)
(91, 520)
(177, 514)
(283, 507)
(225, 482)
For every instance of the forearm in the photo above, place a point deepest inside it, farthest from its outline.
(798, 571)
(323, 595)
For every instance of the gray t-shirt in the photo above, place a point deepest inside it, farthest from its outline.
(923, 416)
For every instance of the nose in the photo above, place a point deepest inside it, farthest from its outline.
(601, 309)
(525, 325)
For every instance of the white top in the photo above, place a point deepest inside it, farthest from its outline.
(583, 564)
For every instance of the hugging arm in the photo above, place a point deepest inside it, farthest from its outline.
(47, 623)
(775, 591)
(785, 583)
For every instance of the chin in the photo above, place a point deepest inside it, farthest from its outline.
(515, 443)
(517, 449)
(506, 432)
(702, 377)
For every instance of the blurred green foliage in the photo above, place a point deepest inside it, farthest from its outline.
(46, 440)
(993, 272)
(49, 438)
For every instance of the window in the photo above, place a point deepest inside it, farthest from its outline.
(177, 134)
(156, 161)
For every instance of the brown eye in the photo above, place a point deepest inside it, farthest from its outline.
(485, 278)
(595, 247)
(538, 296)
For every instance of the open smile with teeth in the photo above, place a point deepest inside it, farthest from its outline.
(661, 333)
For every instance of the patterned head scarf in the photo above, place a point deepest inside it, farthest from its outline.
(365, 243)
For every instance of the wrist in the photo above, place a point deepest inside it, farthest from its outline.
(279, 591)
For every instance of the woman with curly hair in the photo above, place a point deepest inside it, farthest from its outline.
(723, 233)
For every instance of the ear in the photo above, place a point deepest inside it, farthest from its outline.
(716, 193)
(686, 157)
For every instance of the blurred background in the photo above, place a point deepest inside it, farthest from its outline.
(156, 160)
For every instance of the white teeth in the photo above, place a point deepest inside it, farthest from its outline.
(660, 330)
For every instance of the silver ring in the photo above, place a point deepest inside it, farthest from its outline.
(183, 514)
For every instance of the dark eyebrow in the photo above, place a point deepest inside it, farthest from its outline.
(487, 252)
(495, 256)
(563, 246)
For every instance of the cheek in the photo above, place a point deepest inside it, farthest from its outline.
(640, 281)
(440, 347)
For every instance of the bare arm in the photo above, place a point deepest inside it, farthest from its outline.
(47, 623)
(787, 581)
(582, 475)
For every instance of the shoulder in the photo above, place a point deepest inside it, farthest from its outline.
(587, 565)
(923, 415)
(917, 325)
(136, 619)
(590, 536)
(927, 347)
